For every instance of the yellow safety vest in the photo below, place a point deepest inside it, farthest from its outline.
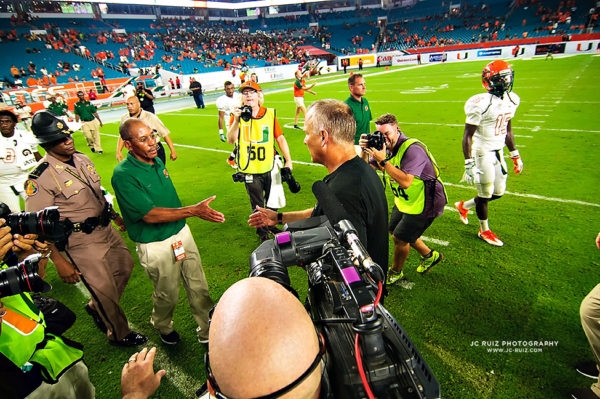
(410, 200)
(23, 339)
(256, 141)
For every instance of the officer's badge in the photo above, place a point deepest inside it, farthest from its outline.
(90, 167)
(166, 173)
(31, 188)
(68, 183)
(59, 125)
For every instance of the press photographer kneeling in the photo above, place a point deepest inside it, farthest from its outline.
(34, 363)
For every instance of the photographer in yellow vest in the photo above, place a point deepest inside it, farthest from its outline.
(33, 362)
(411, 173)
(255, 130)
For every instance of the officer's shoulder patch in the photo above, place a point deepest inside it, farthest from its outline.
(31, 188)
(37, 172)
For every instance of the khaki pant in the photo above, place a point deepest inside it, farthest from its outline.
(91, 131)
(159, 263)
(73, 384)
(106, 264)
(590, 321)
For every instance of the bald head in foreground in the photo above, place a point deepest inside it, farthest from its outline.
(262, 340)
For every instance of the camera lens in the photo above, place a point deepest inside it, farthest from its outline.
(22, 278)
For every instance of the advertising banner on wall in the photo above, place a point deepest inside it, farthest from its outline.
(405, 60)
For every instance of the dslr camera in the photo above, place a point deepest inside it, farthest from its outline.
(23, 277)
(376, 140)
(286, 176)
(44, 223)
(246, 114)
(344, 287)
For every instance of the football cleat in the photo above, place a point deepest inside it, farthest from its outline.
(428, 263)
(497, 77)
(222, 137)
(490, 238)
(462, 211)
(231, 162)
(393, 276)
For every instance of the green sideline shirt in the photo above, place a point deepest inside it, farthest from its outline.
(139, 187)
(362, 115)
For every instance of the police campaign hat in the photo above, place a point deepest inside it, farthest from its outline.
(9, 113)
(47, 127)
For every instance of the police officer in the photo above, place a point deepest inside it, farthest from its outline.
(94, 251)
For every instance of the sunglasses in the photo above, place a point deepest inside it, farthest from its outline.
(212, 383)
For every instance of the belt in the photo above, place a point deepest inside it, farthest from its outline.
(87, 226)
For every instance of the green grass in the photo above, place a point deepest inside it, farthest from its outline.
(530, 289)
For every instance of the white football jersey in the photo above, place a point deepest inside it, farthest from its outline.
(16, 156)
(491, 115)
(228, 105)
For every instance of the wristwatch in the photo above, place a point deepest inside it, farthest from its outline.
(382, 163)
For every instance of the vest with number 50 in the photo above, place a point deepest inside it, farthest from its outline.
(256, 140)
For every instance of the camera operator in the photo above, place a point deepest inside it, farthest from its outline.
(18, 154)
(419, 197)
(33, 362)
(256, 151)
(330, 129)
(145, 96)
(134, 110)
(262, 340)
(95, 251)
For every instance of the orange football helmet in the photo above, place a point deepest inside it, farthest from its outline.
(497, 77)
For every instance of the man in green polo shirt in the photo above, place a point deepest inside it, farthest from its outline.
(360, 107)
(88, 113)
(155, 220)
(60, 109)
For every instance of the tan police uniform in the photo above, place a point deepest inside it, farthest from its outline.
(101, 256)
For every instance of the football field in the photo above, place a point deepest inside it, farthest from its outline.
(490, 322)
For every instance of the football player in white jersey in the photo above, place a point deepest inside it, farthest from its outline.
(226, 104)
(488, 129)
(24, 114)
(18, 154)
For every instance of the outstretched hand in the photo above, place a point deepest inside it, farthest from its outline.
(204, 211)
(263, 217)
(138, 379)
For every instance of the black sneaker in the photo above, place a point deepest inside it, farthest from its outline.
(93, 150)
(132, 339)
(588, 369)
(297, 127)
(583, 393)
(100, 152)
(171, 338)
(96, 317)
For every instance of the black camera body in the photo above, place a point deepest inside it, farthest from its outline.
(376, 140)
(341, 301)
(246, 114)
(286, 176)
(239, 177)
(23, 277)
(44, 223)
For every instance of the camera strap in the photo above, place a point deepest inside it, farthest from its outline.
(86, 182)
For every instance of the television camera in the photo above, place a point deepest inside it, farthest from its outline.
(369, 355)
